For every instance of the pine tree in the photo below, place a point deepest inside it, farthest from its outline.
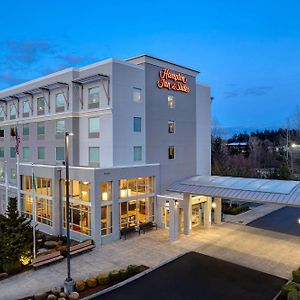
(15, 235)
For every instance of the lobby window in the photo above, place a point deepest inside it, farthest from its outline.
(171, 152)
(171, 126)
(94, 155)
(106, 191)
(94, 127)
(2, 132)
(137, 95)
(2, 112)
(79, 190)
(137, 124)
(59, 102)
(12, 152)
(40, 128)
(26, 130)
(44, 210)
(41, 153)
(60, 126)
(94, 97)
(13, 111)
(1, 151)
(59, 153)
(13, 174)
(133, 187)
(137, 153)
(40, 105)
(171, 101)
(26, 153)
(26, 109)
(106, 220)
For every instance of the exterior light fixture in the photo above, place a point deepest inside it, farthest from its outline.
(176, 202)
(298, 220)
(214, 205)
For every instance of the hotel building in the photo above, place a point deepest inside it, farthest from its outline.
(138, 126)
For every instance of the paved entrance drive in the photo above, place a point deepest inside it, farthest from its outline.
(274, 253)
(197, 276)
(284, 220)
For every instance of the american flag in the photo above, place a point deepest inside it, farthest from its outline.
(17, 142)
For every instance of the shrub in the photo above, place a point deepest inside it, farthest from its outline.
(132, 269)
(114, 275)
(103, 279)
(12, 267)
(91, 282)
(79, 285)
(296, 276)
(288, 287)
(293, 295)
(123, 274)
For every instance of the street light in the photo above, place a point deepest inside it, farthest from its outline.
(69, 283)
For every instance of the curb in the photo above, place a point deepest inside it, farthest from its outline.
(120, 284)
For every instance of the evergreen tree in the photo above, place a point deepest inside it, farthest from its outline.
(15, 235)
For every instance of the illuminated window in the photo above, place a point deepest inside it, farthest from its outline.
(44, 210)
(137, 124)
(137, 153)
(171, 126)
(133, 187)
(40, 105)
(171, 101)
(171, 152)
(13, 131)
(106, 191)
(106, 219)
(78, 190)
(137, 95)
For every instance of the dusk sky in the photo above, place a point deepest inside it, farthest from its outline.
(247, 51)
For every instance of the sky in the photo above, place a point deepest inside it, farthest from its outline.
(247, 51)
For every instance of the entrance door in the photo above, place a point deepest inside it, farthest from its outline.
(166, 216)
(196, 215)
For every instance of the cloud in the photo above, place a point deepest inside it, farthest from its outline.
(10, 78)
(257, 91)
(231, 94)
(71, 59)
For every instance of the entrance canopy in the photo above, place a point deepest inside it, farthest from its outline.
(285, 192)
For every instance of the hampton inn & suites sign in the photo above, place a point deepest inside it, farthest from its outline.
(172, 81)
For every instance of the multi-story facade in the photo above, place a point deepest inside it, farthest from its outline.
(138, 125)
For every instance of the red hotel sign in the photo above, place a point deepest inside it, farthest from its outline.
(172, 81)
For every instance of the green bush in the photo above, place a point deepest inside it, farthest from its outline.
(79, 285)
(288, 287)
(235, 210)
(114, 275)
(103, 279)
(132, 269)
(12, 267)
(123, 274)
(294, 295)
(91, 282)
(296, 276)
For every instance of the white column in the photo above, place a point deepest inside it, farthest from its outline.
(116, 210)
(187, 208)
(218, 210)
(95, 211)
(174, 220)
(207, 212)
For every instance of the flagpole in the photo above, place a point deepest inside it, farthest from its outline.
(6, 183)
(33, 212)
(18, 169)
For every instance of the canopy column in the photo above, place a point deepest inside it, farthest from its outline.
(207, 212)
(187, 210)
(218, 210)
(174, 219)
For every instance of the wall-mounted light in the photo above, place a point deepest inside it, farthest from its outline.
(214, 205)
(176, 203)
(85, 182)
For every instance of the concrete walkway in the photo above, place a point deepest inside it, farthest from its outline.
(253, 214)
(271, 252)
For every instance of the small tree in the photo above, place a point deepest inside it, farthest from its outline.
(15, 235)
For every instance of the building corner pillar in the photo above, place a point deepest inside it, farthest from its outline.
(207, 212)
(187, 211)
(174, 219)
(218, 211)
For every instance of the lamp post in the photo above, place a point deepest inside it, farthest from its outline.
(69, 283)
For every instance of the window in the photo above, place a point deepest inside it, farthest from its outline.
(40, 105)
(93, 97)
(171, 101)
(94, 127)
(94, 155)
(137, 124)
(60, 153)
(137, 95)
(26, 130)
(2, 112)
(41, 153)
(1, 151)
(106, 219)
(136, 186)
(106, 191)
(171, 152)
(40, 128)
(60, 126)
(12, 152)
(44, 210)
(2, 132)
(13, 111)
(13, 131)
(13, 174)
(26, 108)
(137, 153)
(171, 126)
(26, 153)
(59, 102)
(78, 190)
